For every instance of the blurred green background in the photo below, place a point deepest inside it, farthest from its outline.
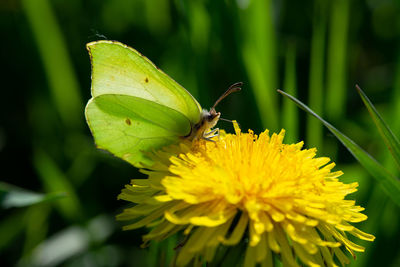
(316, 50)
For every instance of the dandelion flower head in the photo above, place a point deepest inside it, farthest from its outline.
(278, 199)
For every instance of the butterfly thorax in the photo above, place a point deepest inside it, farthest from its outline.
(208, 119)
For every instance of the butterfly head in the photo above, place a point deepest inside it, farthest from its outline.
(208, 119)
(211, 117)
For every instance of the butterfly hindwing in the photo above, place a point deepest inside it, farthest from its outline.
(127, 125)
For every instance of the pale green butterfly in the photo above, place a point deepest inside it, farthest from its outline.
(136, 108)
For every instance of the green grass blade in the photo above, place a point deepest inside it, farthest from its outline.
(61, 246)
(158, 16)
(54, 180)
(289, 112)
(16, 197)
(314, 130)
(37, 227)
(390, 139)
(337, 60)
(259, 56)
(390, 183)
(12, 227)
(395, 99)
(377, 204)
(57, 63)
(393, 121)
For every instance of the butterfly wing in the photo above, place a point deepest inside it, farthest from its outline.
(128, 125)
(135, 107)
(119, 69)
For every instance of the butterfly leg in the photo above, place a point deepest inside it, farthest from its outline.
(211, 134)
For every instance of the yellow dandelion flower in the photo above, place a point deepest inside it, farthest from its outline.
(279, 198)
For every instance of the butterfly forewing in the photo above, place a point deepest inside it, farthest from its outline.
(119, 69)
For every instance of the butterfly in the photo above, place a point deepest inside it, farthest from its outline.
(136, 107)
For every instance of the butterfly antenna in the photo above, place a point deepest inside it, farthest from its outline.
(222, 119)
(233, 88)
